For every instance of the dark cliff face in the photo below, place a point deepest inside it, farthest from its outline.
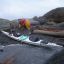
(55, 15)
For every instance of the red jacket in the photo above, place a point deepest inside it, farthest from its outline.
(22, 22)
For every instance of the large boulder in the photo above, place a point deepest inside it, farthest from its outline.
(34, 22)
(55, 15)
(25, 54)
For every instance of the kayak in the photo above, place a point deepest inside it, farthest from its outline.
(25, 39)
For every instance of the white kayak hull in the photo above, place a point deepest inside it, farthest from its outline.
(27, 41)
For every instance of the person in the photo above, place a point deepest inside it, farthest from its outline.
(24, 23)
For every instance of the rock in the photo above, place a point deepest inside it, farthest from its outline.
(55, 15)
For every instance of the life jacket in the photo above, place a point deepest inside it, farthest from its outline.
(27, 24)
